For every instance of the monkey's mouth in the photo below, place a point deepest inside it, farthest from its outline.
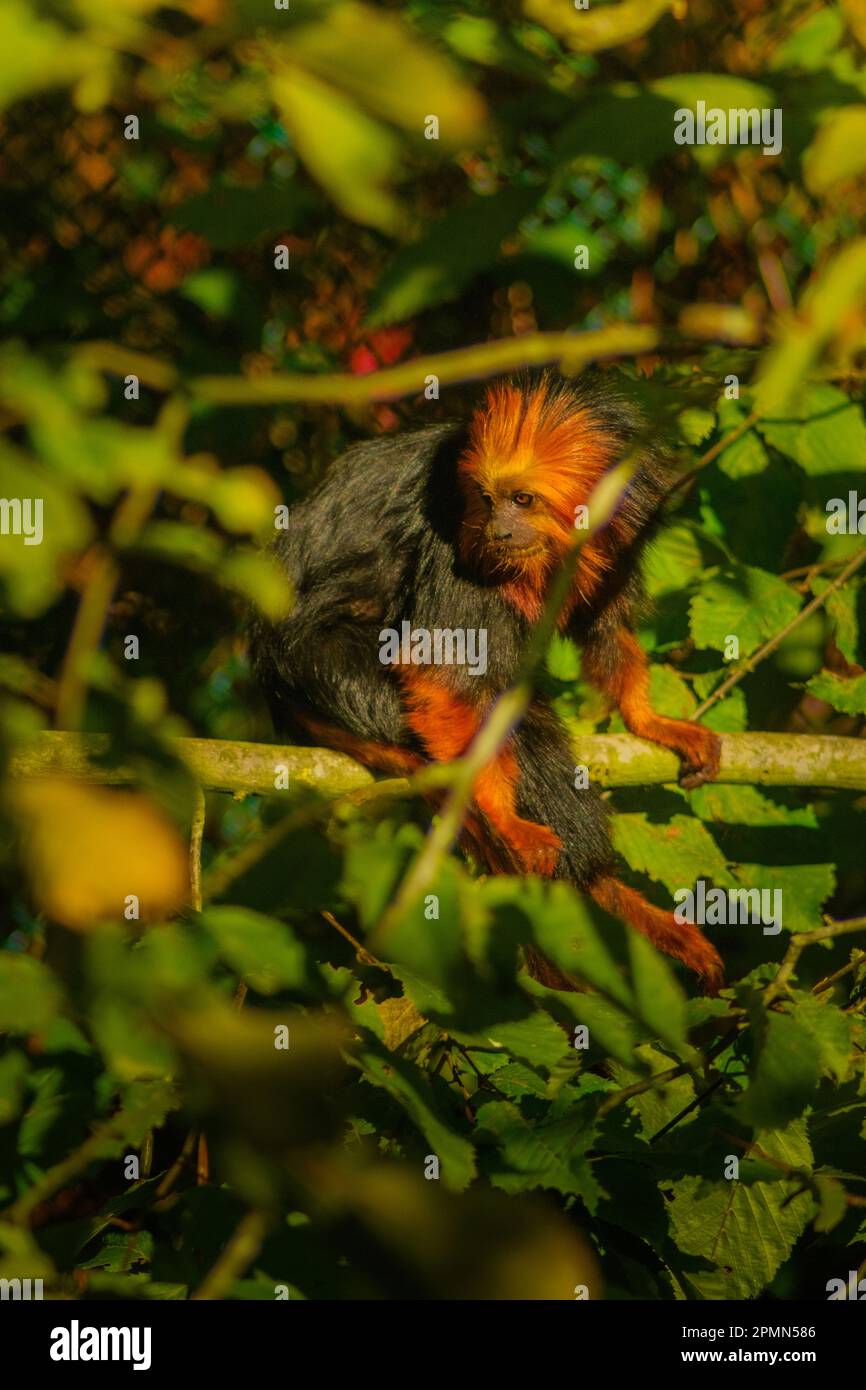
(512, 551)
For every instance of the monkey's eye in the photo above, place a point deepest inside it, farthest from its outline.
(485, 497)
(523, 499)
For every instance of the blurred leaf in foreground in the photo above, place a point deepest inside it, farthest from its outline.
(88, 850)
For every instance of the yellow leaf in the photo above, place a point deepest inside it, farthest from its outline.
(87, 849)
(855, 17)
(830, 312)
(38, 54)
(589, 31)
(376, 60)
(351, 155)
(400, 1019)
(838, 151)
(726, 323)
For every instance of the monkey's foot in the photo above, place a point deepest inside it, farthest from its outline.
(536, 846)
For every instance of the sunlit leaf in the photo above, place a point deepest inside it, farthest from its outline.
(89, 850)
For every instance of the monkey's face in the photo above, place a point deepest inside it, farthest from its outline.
(509, 522)
(531, 458)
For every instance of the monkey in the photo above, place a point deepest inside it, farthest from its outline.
(460, 526)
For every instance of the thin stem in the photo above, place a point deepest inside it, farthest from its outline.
(752, 661)
(195, 843)
(239, 1252)
(686, 479)
(98, 591)
(86, 635)
(363, 955)
(799, 943)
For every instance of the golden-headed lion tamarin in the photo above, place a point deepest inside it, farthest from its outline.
(459, 528)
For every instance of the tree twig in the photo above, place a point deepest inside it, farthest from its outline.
(195, 843)
(239, 1252)
(798, 944)
(752, 661)
(686, 479)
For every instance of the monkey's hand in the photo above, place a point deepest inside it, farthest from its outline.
(700, 750)
(617, 664)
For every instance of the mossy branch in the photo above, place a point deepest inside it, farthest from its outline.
(570, 351)
(613, 760)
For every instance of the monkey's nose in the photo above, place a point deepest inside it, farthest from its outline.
(502, 535)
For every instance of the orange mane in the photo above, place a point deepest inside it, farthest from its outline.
(539, 438)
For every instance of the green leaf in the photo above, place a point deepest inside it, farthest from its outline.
(264, 952)
(804, 889)
(229, 216)
(546, 1154)
(535, 1039)
(747, 1230)
(372, 869)
(832, 1031)
(810, 42)
(32, 571)
(713, 88)
(257, 576)
(21, 1256)
(841, 607)
(659, 1000)
(410, 1088)
(563, 660)
(746, 603)
(696, 424)
(564, 928)
(846, 694)
(606, 26)
(745, 455)
(558, 242)
(676, 853)
(14, 1067)
(832, 1202)
(729, 716)
(618, 119)
(452, 251)
(673, 560)
(122, 1251)
(30, 996)
(132, 1051)
(214, 291)
(46, 55)
(784, 1074)
(657, 1106)
(611, 1029)
(328, 84)
(745, 805)
(827, 433)
(669, 693)
(515, 1081)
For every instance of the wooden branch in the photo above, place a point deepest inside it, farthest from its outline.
(216, 765)
(571, 350)
(613, 760)
(761, 760)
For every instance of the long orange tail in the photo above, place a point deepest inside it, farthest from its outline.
(679, 939)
